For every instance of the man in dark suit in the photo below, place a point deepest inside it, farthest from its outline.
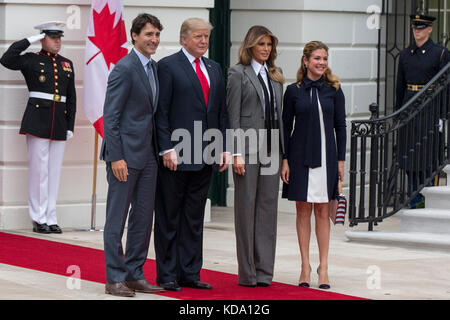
(130, 151)
(192, 98)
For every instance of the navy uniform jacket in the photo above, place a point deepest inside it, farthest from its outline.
(47, 73)
(418, 66)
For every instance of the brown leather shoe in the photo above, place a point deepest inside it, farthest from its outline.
(119, 289)
(143, 286)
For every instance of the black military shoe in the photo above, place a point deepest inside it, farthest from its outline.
(40, 228)
(54, 228)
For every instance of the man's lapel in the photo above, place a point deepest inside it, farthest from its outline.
(212, 82)
(192, 76)
(143, 75)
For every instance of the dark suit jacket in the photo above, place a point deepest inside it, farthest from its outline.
(181, 103)
(128, 114)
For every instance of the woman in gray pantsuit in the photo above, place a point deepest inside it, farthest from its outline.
(254, 103)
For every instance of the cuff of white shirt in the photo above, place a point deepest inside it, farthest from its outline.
(166, 151)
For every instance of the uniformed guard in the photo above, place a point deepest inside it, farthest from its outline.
(48, 120)
(418, 64)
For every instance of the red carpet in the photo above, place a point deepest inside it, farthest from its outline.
(55, 257)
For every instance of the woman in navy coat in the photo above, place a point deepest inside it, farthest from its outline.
(314, 151)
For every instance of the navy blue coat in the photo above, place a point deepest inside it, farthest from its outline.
(297, 106)
(181, 103)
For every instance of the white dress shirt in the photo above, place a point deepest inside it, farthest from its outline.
(191, 59)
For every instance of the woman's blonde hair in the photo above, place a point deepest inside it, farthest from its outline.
(308, 50)
(252, 38)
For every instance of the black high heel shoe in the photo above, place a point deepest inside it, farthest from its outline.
(305, 284)
(325, 286)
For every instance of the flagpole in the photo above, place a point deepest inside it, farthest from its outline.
(94, 185)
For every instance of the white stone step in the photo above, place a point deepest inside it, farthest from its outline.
(425, 220)
(415, 239)
(447, 171)
(437, 197)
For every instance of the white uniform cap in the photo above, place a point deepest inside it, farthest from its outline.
(51, 27)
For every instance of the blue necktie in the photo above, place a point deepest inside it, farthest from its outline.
(152, 81)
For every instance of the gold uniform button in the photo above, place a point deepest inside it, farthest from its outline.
(56, 83)
(56, 91)
(56, 77)
(54, 64)
(65, 111)
(56, 70)
(42, 70)
(37, 106)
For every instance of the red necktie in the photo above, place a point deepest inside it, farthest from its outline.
(203, 80)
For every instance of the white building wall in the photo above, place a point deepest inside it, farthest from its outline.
(17, 19)
(341, 24)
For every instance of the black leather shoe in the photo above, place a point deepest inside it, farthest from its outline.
(170, 286)
(263, 284)
(196, 285)
(247, 285)
(54, 228)
(40, 228)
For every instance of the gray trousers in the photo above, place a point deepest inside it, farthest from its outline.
(139, 191)
(255, 218)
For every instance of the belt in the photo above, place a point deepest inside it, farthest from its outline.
(417, 87)
(47, 96)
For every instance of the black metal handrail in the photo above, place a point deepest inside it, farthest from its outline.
(414, 140)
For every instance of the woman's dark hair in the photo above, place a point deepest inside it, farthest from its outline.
(141, 20)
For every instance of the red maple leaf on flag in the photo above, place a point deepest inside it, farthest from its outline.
(108, 38)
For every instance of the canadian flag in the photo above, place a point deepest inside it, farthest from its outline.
(106, 44)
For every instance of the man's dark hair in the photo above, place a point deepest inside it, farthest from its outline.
(141, 20)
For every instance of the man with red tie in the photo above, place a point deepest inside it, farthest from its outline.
(192, 95)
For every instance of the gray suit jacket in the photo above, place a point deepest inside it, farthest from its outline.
(245, 104)
(128, 114)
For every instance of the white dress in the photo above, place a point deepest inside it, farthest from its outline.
(317, 177)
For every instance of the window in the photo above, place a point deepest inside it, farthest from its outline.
(441, 27)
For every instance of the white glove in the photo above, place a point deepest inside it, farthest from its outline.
(36, 38)
(441, 125)
(69, 135)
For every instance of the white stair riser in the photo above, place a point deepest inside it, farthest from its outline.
(437, 200)
(427, 225)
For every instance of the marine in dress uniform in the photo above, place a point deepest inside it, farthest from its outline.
(418, 64)
(48, 120)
